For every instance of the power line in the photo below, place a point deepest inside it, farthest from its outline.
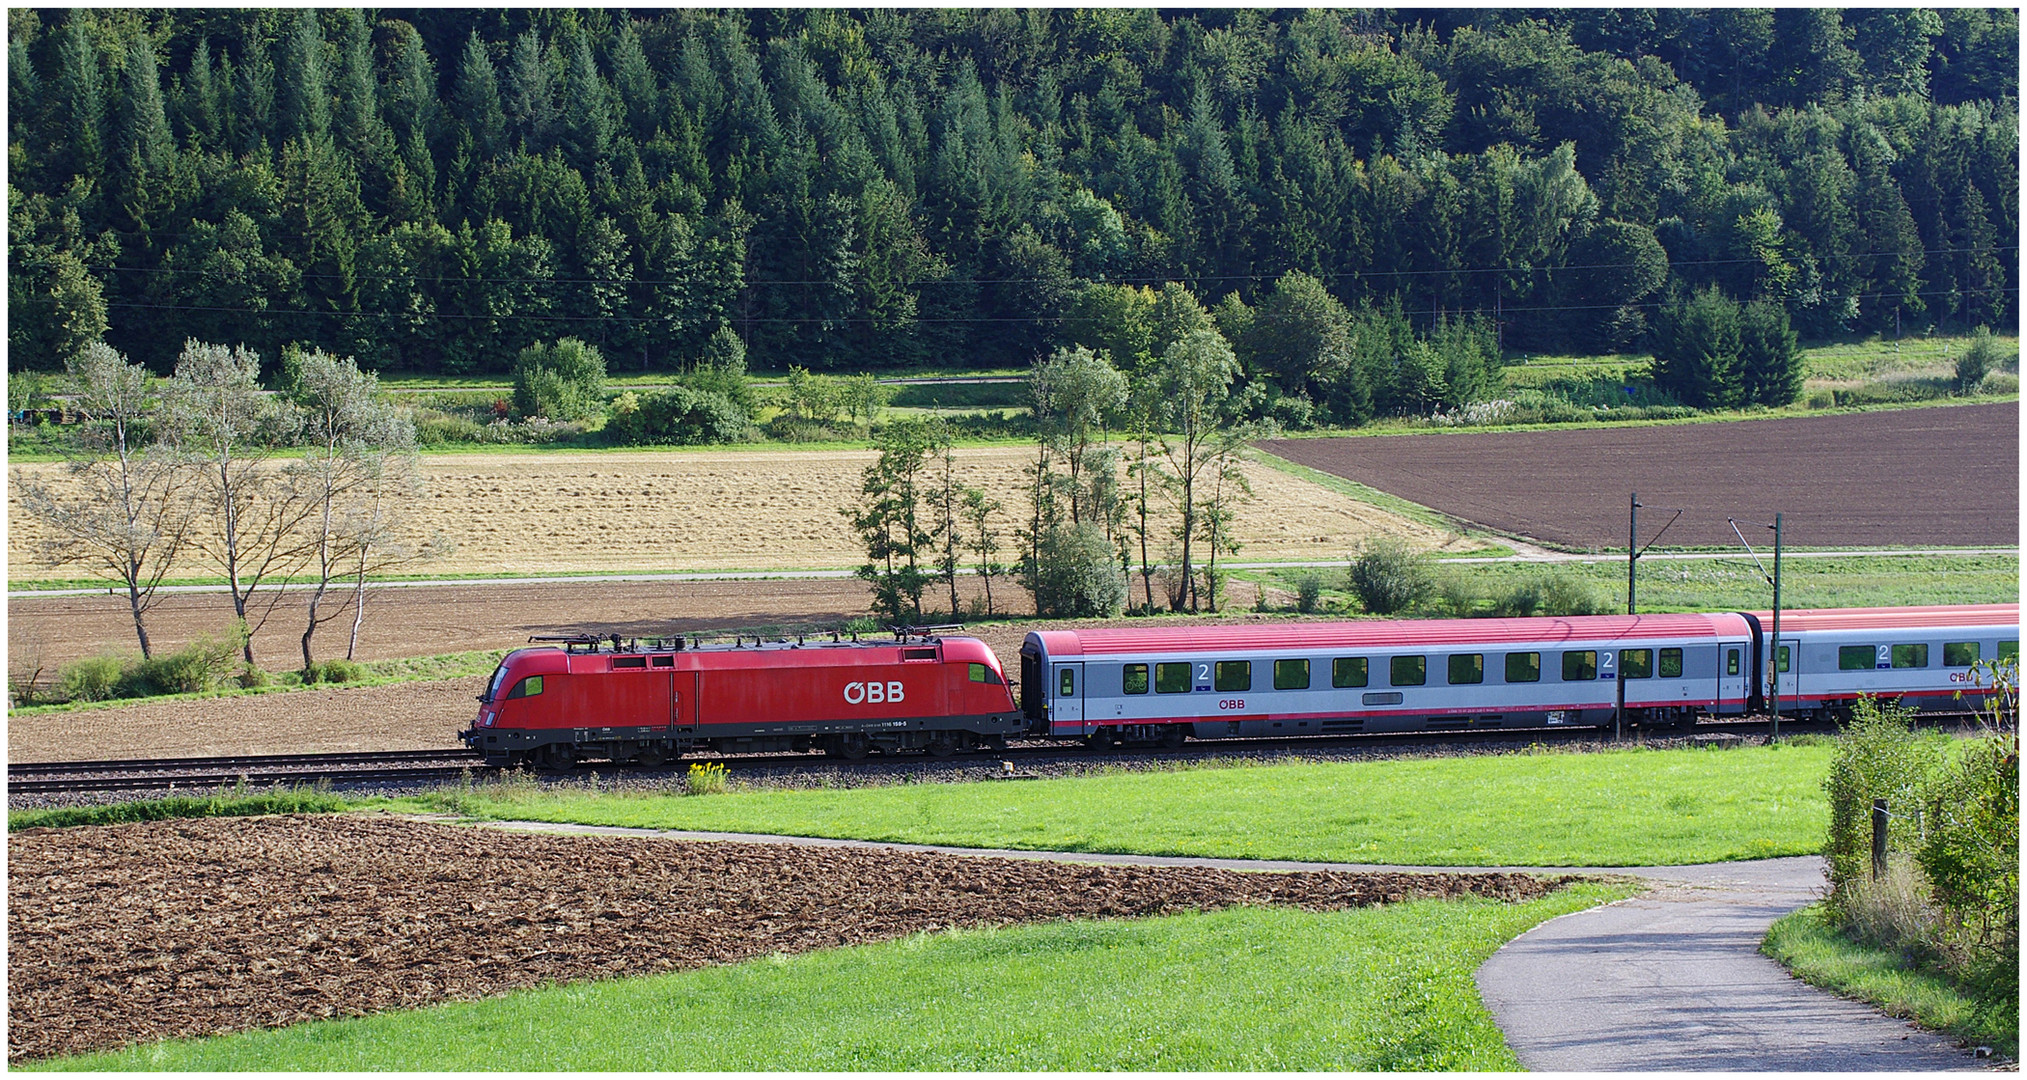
(1466, 271)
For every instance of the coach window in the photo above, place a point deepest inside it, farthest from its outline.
(1133, 679)
(528, 687)
(2009, 650)
(1910, 655)
(1171, 678)
(1347, 671)
(1636, 663)
(981, 673)
(1234, 676)
(1731, 661)
(1960, 653)
(1671, 663)
(1580, 666)
(1855, 657)
(1069, 683)
(1467, 668)
(1781, 660)
(1408, 671)
(1523, 667)
(1291, 674)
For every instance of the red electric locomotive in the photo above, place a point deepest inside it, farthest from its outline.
(605, 698)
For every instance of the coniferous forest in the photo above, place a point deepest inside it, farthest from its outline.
(434, 190)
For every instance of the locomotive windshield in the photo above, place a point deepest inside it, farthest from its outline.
(493, 687)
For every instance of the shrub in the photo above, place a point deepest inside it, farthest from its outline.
(1308, 591)
(1981, 356)
(679, 415)
(564, 381)
(1520, 601)
(1389, 577)
(199, 666)
(1078, 575)
(1563, 592)
(333, 671)
(94, 678)
(1456, 594)
(2000, 382)
(1879, 756)
(1971, 850)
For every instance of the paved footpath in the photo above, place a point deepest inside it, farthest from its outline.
(1670, 980)
(1673, 980)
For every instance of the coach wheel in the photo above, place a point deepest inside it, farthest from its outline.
(1100, 740)
(1172, 736)
(942, 744)
(652, 757)
(558, 757)
(854, 746)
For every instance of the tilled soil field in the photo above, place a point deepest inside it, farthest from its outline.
(1944, 476)
(129, 934)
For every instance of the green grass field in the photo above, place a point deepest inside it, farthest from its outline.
(1626, 808)
(1246, 989)
(1376, 989)
(1821, 955)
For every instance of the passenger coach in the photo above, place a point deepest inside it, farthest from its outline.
(1922, 656)
(1164, 685)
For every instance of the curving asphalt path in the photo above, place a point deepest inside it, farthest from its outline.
(1671, 980)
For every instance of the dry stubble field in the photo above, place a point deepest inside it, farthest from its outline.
(743, 510)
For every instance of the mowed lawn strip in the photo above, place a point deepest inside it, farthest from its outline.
(1627, 808)
(1253, 989)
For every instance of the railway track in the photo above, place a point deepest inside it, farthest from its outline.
(427, 767)
(151, 774)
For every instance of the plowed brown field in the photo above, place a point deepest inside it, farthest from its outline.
(1939, 476)
(129, 934)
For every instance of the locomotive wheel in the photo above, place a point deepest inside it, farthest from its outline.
(652, 757)
(942, 744)
(854, 746)
(558, 757)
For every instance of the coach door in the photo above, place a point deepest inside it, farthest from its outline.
(1731, 674)
(1066, 698)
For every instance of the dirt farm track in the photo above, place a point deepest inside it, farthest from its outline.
(1945, 476)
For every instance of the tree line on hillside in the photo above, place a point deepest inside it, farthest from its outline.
(437, 190)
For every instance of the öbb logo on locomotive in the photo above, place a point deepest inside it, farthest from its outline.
(873, 693)
(1162, 685)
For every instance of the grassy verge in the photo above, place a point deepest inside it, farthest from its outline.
(373, 673)
(234, 803)
(1822, 956)
(1626, 808)
(1254, 989)
(1725, 584)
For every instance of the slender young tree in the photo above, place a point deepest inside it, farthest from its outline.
(124, 513)
(1195, 377)
(897, 529)
(350, 434)
(215, 415)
